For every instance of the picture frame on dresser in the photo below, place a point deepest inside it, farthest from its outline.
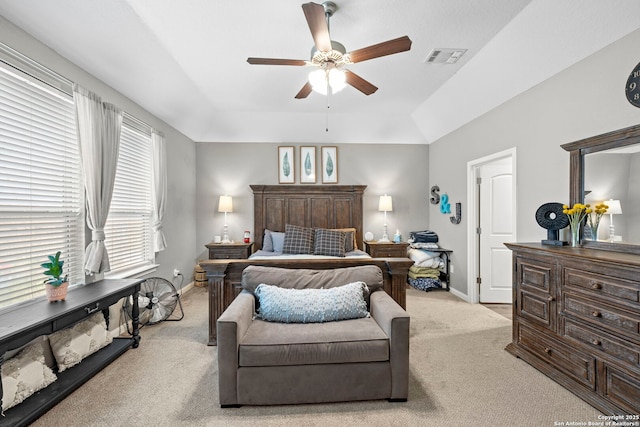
(308, 165)
(329, 164)
(286, 165)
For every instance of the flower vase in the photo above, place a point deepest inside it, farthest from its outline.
(575, 236)
(594, 232)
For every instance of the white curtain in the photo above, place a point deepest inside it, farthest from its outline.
(99, 125)
(159, 193)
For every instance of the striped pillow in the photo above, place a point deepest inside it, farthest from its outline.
(297, 240)
(329, 242)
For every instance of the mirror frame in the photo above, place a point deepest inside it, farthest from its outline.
(594, 144)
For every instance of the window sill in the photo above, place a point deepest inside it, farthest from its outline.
(132, 273)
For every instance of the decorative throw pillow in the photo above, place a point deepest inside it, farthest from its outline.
(267, 241)
(277, 238)
(73, 344)
(24, 374)
(329, 242)
(297, 240)
(312, 305)
(350, 243)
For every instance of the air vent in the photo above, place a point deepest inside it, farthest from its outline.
(444, 56)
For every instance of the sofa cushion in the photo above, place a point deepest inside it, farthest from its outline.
(329, 242)
(297, 240)
(254, 275)
(312, 305)
(346, 341)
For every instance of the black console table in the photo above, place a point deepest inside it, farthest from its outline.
(27, 321)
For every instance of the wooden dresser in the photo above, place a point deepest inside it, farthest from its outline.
(576, 317)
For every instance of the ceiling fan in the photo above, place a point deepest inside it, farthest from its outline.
(331, 57)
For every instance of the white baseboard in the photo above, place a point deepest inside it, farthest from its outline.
(459, 294)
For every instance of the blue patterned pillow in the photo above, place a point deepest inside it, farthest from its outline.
(312, 305)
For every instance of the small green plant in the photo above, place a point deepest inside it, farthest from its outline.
(53, 268)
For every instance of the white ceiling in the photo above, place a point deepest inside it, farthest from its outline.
(185, 61)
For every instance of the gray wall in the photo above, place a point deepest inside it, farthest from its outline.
(586, 99)
(180, 214)
(398, 170)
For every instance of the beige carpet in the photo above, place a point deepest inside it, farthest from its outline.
(460, 376)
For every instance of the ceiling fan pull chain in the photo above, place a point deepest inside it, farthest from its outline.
(329, 93)
(326, 128)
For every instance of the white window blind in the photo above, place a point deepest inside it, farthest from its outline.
(128, 234)
(40, 185)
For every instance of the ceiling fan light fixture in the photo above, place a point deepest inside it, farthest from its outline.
(336, 80)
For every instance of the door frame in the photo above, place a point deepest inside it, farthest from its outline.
(473, 292)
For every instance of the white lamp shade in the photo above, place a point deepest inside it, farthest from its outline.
(386, 204)
(225, 204)
(614, 207)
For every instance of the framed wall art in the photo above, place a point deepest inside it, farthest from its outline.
(329, 165)
(286, 165)
(308, 165)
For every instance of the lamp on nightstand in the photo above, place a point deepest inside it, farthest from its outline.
(225, 205)
(614, 209)
(385, 205)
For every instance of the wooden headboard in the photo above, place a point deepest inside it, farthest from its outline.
(323, 206)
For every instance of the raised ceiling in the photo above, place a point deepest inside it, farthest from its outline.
(185, 61)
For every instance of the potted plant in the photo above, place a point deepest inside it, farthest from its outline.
(56, 285)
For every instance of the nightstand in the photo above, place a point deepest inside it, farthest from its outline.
(230, 250)
(386, 250)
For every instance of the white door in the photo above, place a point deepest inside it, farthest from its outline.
(496, 228)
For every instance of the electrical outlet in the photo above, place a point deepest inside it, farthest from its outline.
(176, 272)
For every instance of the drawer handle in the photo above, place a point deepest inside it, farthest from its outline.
(596, 314)
(90, 310)
(551, 298)
(547, 350)
(596, 342)
(596, 286)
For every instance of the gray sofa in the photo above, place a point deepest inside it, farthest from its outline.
(270, 363)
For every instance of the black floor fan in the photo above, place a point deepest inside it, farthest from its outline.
(157, 300)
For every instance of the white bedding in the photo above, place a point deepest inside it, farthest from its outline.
(260, 254)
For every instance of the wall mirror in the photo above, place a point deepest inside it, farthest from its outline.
(606, 168)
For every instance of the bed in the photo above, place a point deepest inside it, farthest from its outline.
(311, 206)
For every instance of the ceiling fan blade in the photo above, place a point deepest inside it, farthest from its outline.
(318, 26)
(274, 61)
(389, 47)
(359, 83)
(305, 91)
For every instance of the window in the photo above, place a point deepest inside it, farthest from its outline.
(128, 229)
(41, 196)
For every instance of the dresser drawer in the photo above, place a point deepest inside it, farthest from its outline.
(602, 315)
(600, 285)
(622, 388)
(575, 364)
(623, 351)
(536, 274)
(228, 254)
(537, 308)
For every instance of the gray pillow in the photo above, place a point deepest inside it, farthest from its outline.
(278, 241)
(273, 241)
